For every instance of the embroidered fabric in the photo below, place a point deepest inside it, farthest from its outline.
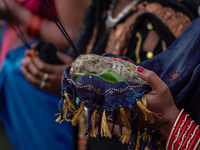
(97, 94)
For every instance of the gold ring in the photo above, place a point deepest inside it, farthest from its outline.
(43, 82)
(45, 77)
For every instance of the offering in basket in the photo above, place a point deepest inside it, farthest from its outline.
(103, 84)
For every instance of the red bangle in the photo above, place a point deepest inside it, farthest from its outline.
(180, 128)
(178, 119)
(181, 137)
(188, 136)
(197, 144)
(33, 26)
(176, 129)
(184, 135)
(194, 138)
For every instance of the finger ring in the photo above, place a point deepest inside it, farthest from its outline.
(42, 84)
(45, 77)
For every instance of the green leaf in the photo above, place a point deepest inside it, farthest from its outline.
(107, 75)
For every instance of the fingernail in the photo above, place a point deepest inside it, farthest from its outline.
(140, 69)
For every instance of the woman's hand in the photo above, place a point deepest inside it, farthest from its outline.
(159, 101)
(42, 75)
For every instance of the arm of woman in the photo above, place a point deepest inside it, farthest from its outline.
(160, 101)
(70, 13)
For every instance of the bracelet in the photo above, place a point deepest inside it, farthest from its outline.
(197, 144)
(173, 128)
(179, 130)
(184, 137)
(194, 136)
(184, 134)
(33, 26)
(188, 137)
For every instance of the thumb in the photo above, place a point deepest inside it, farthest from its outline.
(150, 77)
(64, 58)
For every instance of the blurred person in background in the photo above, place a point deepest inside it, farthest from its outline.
(28, 113)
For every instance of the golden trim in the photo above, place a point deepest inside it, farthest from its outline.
(176, 22)
(164, 45)
(99, 92)
(137, 50)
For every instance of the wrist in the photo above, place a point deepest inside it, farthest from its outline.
(172, 115)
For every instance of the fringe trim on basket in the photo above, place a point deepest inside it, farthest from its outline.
(78, 115)
(105, 131)
(92, 132)
(103, 128)
(142, 105)
(125, 138)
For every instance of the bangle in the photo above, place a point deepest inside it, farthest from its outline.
(183, 133)
(174, 134)
(197, 144)
(173, 128)
(180, 128)
(33, 26)
(194, 136)
(188, 137)
(184, 137)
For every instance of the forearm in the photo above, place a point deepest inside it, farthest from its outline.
(48, 30)
(19, 13)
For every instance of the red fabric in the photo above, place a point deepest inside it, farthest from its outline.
(8, 38)
(36, 7)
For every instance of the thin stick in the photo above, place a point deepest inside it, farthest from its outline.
(59, 24)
